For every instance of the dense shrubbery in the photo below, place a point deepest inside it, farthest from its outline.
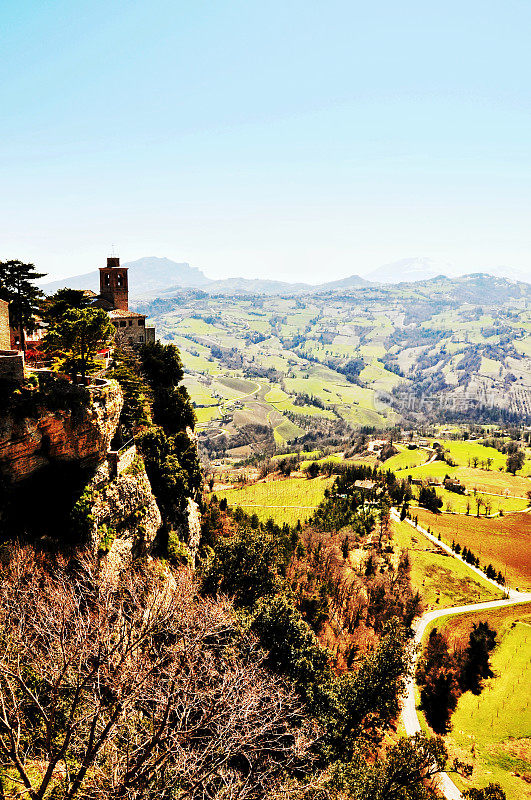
(429, 498)
(289, 581)
(250, 567)
(157, 411)
(173, 469)
(50, 393)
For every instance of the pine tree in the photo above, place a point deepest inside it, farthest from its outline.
(17, 287)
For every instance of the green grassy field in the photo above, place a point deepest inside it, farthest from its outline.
(457, 503)
(437, 469)
(407, 459)
(283, 500)
(380, 378)
(464, 453)
(441, 580)
(305, 411)
(204, 415)
(492, 731)
(285, 432)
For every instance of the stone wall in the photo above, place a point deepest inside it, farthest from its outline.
(28, 444)
(11, 365)
(5, 333)
(120, 460)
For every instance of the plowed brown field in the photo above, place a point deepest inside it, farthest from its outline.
(505, 542)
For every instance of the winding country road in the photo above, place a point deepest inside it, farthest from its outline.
(409, 710)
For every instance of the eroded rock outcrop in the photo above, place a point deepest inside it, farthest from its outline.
(124, 518)
(29, 443)
(190, 530)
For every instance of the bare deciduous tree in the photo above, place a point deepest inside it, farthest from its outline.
(145, 692)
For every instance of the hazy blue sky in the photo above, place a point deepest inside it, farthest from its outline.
(302, 140)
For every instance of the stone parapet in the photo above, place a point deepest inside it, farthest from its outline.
(11, 365)
(120, 460)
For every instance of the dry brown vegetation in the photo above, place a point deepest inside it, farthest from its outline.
(145, 692)
(348, 592)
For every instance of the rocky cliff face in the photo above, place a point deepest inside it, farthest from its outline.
(28, 444)
(117, 516)
(190, 530)
(125, 518)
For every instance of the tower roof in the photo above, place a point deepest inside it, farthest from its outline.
(113, 262)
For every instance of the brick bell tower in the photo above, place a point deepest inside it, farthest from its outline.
(113, 284)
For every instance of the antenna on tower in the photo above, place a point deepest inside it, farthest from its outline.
(113, 253)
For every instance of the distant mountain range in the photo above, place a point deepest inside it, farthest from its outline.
(410, 270)
(146, 276)
(151, 277)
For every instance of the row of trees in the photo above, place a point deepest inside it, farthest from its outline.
(470, 558)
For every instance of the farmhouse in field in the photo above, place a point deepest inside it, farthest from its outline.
(454, 485)
(365, 486)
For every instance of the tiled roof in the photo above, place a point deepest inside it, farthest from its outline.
(116, 313)
(365, 484)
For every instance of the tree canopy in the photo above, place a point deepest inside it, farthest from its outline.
(18, 288)
(56, 306)
(78, 334)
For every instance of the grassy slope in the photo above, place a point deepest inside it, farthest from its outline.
(407, 459)
(283, 500)
(441, 580)
(462, 452)
(492, 731)
(458, 503)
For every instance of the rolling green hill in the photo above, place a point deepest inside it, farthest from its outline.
(438, 350)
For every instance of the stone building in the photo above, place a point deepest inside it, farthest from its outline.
(5, 333)
(11, 361)
(114, 298)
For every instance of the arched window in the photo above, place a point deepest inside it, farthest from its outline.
(119, 280)
(107, 279)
